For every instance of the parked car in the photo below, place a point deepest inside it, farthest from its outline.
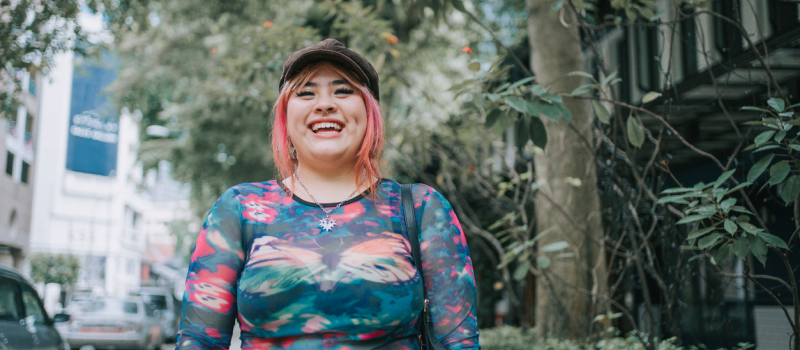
(78, 301)
(116, 323)
(162, 300)
(24, 324)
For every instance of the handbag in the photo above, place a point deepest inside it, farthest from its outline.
(426, 336)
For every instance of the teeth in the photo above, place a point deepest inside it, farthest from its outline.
(326, 125)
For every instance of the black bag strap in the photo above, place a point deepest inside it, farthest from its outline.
(427, 337)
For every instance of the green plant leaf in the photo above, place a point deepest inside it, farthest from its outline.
(780, 135)
(474, 66)
(554, 246)
(707, 241)
(522, 129)
(677, 190)
(609, 78)
(778, 172)
(538, 132)
(741, 247)
(723, 253)
(759, 248)
(579, 73)
(522, 270)
(773, 239)
(543, 262)
(759, 168)
(518, 104)
(767, 147)
(748, 227)
(724, 177)
(650, 96)
(791, 189)
(727, 204)
(730, 226)
(492, 118)
(764, 137)
(520, 82)
(580, 90)
(533, 107)
(776, 104)
(565, 112)
(601, 112)
(738, 187)
(699, 232)
(693, 218)
(753, 108)
(635, 132)
(461, 85)
(550, 110)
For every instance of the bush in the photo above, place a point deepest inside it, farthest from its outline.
(511, 338)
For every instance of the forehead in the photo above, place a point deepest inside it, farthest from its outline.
(325, 74)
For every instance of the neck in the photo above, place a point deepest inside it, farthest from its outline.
(326, 185)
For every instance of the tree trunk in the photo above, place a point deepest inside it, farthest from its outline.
(561, 310)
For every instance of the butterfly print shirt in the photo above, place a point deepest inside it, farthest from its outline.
(262, 258)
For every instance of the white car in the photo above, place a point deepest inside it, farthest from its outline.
(116, 323)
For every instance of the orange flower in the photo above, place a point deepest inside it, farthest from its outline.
(392, 39)
(214, 50)
(466, 49)
(267, 24)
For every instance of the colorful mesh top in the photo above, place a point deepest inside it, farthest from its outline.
(262, 257)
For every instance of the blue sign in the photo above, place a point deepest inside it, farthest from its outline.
(93, 123)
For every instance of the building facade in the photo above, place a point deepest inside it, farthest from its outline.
(17, 141)
(90, 196)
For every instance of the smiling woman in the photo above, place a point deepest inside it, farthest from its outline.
(329, 265)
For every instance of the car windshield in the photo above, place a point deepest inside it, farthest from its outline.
(113, 306)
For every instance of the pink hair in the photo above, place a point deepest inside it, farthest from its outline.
(369, 154)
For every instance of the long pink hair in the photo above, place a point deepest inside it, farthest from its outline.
(369, 154)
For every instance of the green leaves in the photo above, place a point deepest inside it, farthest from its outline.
(601, 112)
(474, 66)
(635, 132)
(522, 270)
(699, 232)
(759, 168)
(741, 247)
(748, 227)
(724, 177)
(776, 104)
(778, 172)
(791, 189)
(764, 137)
(707, 241)
(538, 133)
(730, 226)
(650, 96)
(774, 240)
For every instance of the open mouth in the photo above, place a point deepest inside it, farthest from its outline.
(326, 128)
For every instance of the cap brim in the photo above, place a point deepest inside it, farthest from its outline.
(323, 55)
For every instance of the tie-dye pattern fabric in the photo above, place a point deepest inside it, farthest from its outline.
(261, 257)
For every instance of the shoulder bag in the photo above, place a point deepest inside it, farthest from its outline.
(426, 336)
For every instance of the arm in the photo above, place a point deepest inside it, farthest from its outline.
(209, 303)
(447, 268)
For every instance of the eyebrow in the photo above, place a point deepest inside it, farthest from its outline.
(334, 82)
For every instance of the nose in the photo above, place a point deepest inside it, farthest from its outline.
(325, 106)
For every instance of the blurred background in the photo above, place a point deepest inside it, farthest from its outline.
(124, 120)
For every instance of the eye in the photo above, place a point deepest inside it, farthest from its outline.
(305, 93)
(344, 91)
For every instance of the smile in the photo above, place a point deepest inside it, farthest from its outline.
(326, 128)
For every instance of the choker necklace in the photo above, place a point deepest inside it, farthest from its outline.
(326, 223)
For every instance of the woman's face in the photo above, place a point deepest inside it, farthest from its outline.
(326, 119)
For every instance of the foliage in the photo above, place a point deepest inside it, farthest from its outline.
(210, 70)
(54, 268)
(512, 338)
(31, 32)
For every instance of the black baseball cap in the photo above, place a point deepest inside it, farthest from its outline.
(333, 51)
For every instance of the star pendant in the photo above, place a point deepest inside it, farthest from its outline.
(327, 223)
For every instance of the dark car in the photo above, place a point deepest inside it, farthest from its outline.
(24, 324)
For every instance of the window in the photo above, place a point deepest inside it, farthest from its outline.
(34, 313)
(9, 163)
(25, 169)
(9, 306)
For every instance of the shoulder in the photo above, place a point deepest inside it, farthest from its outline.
(249, 190)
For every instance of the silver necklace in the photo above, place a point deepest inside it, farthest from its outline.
(325, 223)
